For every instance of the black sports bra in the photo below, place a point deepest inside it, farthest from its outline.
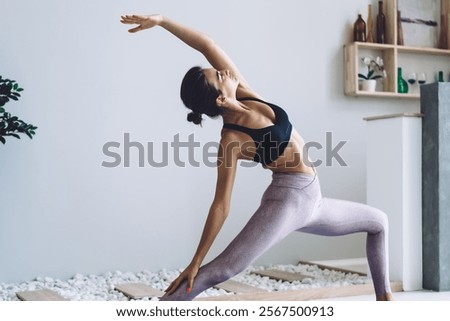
(270, 141)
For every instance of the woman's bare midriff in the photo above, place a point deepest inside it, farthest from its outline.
(294, 158)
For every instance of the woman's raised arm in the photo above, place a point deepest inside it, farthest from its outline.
(195, 39)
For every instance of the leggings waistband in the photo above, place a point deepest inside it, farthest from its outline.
(294, 180)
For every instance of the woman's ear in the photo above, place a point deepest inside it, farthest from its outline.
(221, 101)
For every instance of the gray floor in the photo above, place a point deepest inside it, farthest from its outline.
(422, 295)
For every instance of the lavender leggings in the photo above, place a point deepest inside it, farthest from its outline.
(293, 202)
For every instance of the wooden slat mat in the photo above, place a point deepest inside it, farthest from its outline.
(138, 290)
(40, 295)
(283, 275)
(238, 287)
(323, 267)
(304, 294)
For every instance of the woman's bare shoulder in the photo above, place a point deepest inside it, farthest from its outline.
(228, 136)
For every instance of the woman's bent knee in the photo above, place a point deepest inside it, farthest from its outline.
(380, 219)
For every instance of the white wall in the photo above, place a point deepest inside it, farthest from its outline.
(87, 82)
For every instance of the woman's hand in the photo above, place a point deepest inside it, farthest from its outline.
(144, 22)
(189, 273)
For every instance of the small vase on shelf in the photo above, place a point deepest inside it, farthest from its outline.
(359, 29)
(402, 85)
(381, 24)
(368, 85)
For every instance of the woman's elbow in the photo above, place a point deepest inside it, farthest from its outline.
(208, 44)
(221, 210)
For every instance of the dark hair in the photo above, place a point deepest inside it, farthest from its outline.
(199, 96)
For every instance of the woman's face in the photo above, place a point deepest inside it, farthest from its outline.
(223, 81)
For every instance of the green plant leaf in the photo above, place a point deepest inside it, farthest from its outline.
(2, 139)
(362, 76)
(13, 98)
(15, 135)
(3, 101)
(369, 75)
(29, 135)
(15, 86)
(19, 89)
(2, 110)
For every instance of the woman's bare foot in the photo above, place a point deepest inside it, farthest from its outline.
(385, 297)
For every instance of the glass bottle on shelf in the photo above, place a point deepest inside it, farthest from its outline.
(402, 85)
(359, 29)
(369, 24)
(443, 34)
(400, 41)
(381, 24)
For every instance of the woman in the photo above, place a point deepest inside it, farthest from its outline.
(256, 130)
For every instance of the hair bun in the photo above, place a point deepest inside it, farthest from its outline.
(196, 118)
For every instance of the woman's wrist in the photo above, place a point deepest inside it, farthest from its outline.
(196, 262)
(162, 21)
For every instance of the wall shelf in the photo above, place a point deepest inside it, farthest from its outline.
(383, 94)
(422, 50)
(390, 53)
